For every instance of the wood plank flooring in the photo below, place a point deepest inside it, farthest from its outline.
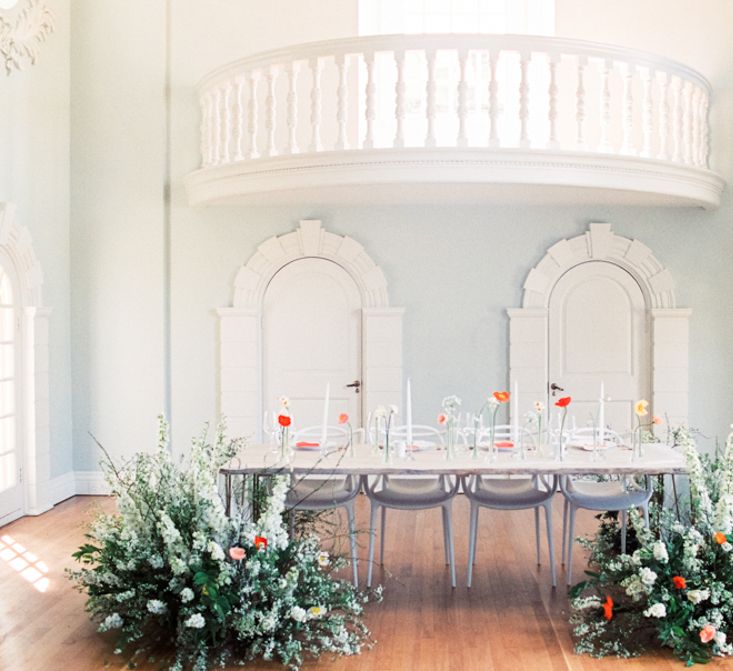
(510, 620)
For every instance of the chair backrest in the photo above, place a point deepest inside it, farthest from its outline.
(419, 432)
(333, 432)
(589, 433)
(504, 432)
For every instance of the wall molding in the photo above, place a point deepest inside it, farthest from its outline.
(22, 33)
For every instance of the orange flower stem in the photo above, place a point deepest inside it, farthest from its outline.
(562, 428)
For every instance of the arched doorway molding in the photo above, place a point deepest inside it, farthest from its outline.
(668, 324)
(33, 434)
(240, 333)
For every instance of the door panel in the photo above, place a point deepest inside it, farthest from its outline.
(598, 333)
(312, 337)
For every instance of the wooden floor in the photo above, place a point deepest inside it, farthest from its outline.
(510, 620)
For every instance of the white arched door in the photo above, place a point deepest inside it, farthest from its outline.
(598, 333)
(311, 336)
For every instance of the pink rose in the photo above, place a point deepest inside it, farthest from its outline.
(237, 554)
(707, 633)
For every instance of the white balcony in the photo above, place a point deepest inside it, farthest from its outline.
(483, 118)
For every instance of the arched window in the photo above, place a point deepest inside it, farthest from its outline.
(384, 17)
(10, 490)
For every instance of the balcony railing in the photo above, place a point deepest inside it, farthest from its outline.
(371, 100)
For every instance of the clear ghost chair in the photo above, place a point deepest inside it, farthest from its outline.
(316, 493)
(412, 493)
(510, 493)
(617, 494)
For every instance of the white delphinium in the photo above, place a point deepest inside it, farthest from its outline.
(156, 561)
(656, 610)
(298, 614)
(125, 596)
(647, 576)
(698, 595)
(214, 549)
(723, 517)
(156, 607)
(186, 594)
(195, 621)
(270, 523)
(659, 550)
(696, 474)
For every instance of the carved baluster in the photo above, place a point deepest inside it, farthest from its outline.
(206, 130)
(226, 140)
(292, 108)
(686, 125)
(462, 109)
(663, 153)
(216, 158)
(430, 91)
(271, 110)
(252, 112)
(605, 142)
(399, 138)
(316, 95)
(524, 60)
(239, 118)
(554, 59)
(705, 135)
(677, 120)
(627, 105)
(647, 112)
(371, 108)
(341, 101)
(695, 125)
(493, 100)
(580, 98)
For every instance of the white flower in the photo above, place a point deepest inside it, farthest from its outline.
(726, 547)
(298, 614)
(697, 595)
(720, 638)
(393, 410)
(113, 621)
(539, 406)
(324, 559)
(648, 577)
(217, 554)
(156, 607)
(659, 549)
(656, 610)
(156, 561)
(186, 594)
(284, 401)
(315, 612)
(196, 621)
(493, 402)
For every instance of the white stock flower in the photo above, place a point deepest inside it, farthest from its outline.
(720, 638)
(186, 594)
(215, 550)
(726, 547)
(156, 607)
(196, 621)
(113, 621)
(659, 550)
(539, 406)
(298, 614)
(284, 401)
(697, 595)
(656, 610)
(648, 577)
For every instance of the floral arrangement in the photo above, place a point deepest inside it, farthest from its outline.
(344, 419)
(563, 404)
(449, 418)
(172, 575)
(284, 421)
(493, 403)
(384, 414)
(641, 409)
(676, 588)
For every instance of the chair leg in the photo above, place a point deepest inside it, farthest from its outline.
(564, 529)
(451, 550)
(372, 534)
(473, 527)
(623, 531)
(537, 532)
(571, 535)
(381, 540)
(446, 552)
(550, 540)
(352, 540)
(645, 510)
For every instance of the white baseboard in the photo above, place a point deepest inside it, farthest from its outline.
(61, 488)
(90, 483)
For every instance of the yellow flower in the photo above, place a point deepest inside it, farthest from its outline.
(316, 611)
(640, 408)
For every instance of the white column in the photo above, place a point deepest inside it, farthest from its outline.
(663, 152)
(627, 105)
(580, 103)
(315, 68)
(252, 151)
(216, 140)
(370, 111)
(270, 111)
(462, 91)
(554, 60)
(239, 118)
(226, 139)
(399, 138)
(292, 107)
(206, 130)
(677, 119)
(342, 93)
(647, 111)
(686, 122)
(605, 143)
(493, 100)
(430, 91)
(524, 60)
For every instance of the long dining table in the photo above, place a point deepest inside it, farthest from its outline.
(264, 460)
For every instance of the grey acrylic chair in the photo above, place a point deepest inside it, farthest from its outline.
(618, 494)
(509, 493)
(318, 493)
(412, 493)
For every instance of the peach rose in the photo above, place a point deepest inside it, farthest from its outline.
(707, 633)
(237, 554)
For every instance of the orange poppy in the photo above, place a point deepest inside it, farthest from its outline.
(679, 582)
(343, 418)
(260, 542)
(442, 419)
(608, 608)
(501, 396)
(283, 420)
(563, 402)
(720, 538)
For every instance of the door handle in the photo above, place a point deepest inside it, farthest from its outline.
(356, 384)
(554, 388)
